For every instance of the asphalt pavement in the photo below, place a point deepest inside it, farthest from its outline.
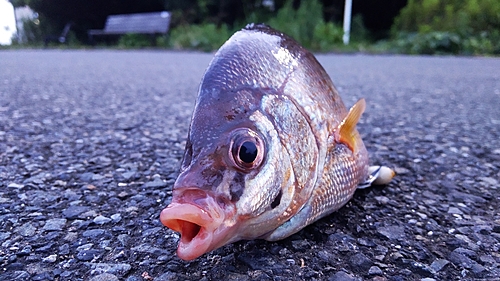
(91, 141)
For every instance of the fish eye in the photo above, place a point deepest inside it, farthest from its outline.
(247, 149)
(248, 152)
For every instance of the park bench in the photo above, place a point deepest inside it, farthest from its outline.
(143, 23)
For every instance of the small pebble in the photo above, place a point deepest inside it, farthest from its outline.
(392, 232)
(439, 264)
(54, 224)
(15, 185)
(72, 212)
(114, 268)
(454, 210)
(50, 259)
(93, 233)
(101, 220)
(26, 229)
(375, 270)
(104, 277)
(360, 262)
(343, 276)
(116, 218)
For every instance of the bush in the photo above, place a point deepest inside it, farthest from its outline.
(133, 40)
(301, 24)
(306, 25)
(450, 26)
(325, 36)
(436, 42)
(204, 37)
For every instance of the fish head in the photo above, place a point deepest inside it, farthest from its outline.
(235, 179)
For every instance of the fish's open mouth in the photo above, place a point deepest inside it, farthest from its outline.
(195, 226)
(200, 222)
(189, 230)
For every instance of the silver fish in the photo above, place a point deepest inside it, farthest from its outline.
(271, 147)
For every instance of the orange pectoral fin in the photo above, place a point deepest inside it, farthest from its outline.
(346, 132)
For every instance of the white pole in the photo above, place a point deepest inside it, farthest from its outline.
(347, 21)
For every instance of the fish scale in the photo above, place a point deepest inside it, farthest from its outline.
(338, 183)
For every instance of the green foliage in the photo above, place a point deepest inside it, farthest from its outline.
(448, 26)
(133, 40)
(301, 24)
(445, 42)
(359, 33)
(306, 25)
(448, 15)
(438, 42)
(482, 43)
(204, 37)
(326, 35)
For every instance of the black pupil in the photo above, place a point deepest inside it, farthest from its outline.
(248, 152)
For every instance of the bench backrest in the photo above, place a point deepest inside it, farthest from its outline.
(157, 22)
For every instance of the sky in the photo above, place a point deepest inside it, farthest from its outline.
(7, 22)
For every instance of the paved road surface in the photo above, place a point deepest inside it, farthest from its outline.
(90, 144)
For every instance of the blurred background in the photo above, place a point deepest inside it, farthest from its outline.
(468, 27)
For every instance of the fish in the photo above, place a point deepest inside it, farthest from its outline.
(271, 147)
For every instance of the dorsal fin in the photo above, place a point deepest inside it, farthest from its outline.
(346, 132)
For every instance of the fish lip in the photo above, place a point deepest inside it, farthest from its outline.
(202, 229)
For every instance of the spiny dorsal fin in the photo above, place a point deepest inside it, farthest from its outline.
(346, 132)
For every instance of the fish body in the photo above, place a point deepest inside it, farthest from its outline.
(271, 146)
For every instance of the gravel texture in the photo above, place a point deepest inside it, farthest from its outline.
(90, 145)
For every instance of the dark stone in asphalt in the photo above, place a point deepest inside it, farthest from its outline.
(42, 276)
(17, 275)
(64, 249)
(25, 251)
(375, 270)
(72, 212)
(256, 261)
(27, 229)
(360, 263)
(343, 276)
(169, 276)
(93, 233)
(54, 224)
(392, 232)
(91, 143)
(419, 268)
(15, 266)
(87, 177)
(113, 268)
(104, 277)
(88, 255)
(439, 264)
(156, 183)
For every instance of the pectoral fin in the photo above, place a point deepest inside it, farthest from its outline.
(346, 132)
